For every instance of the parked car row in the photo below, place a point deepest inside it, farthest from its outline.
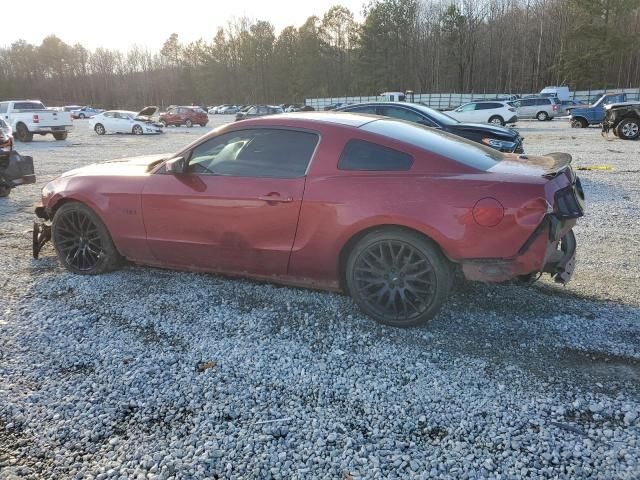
(492, 135)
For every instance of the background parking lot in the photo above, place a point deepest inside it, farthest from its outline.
(146, 373)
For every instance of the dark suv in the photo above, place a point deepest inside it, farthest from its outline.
(500, 138)
(188, 116)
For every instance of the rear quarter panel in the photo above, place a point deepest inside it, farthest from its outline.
(436, 197)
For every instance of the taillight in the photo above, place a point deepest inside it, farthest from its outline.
(555, 107)
(36, 119)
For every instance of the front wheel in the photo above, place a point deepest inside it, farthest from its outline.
(99, 129)
(81, 116)
(188, 123)
(579, 123)
(628, 129)
(82, 241)
(497, 120)
(398, 278)
(137, 130)
(59, 136)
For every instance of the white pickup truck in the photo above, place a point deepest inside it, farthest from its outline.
(30, 117)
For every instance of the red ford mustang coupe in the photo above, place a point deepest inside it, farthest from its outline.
(382, 209)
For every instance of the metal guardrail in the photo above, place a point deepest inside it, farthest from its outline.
(447, 101)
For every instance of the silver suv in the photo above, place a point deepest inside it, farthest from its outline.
(542, 108)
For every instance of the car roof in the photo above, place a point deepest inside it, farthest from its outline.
(335, 118)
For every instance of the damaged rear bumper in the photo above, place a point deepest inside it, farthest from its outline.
(551, 248)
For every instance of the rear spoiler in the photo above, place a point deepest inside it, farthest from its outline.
(560, 162)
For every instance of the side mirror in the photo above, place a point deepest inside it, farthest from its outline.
(176, 166)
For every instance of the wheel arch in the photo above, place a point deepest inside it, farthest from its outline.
(55, 205)
(353, 240)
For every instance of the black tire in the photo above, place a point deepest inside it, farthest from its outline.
(4, 191)
(59, 136)
(81, 116)
(137, 130)
(203, 124)
(99, 129)
(23, 134)
(188, 123)
(163, 123)
(82, 241)
(629, 129)
(579, 123)
(497, 120)
(397, 277)
(542, 116)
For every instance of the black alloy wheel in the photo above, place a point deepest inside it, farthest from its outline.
(399, 279)
(82, 241)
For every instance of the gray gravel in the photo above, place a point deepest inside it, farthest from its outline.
(145, 373)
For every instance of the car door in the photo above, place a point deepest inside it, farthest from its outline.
(121, 123)
(109, 121)
(235, 207)
(465, 113)
(527, 108)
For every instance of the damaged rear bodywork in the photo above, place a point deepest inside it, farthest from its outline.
(551, 247)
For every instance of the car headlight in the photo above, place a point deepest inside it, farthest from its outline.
(501, 144)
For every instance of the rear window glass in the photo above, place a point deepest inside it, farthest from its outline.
(362, 155)
(28, 106)
(450, 146)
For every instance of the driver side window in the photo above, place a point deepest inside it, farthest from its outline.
(265, 152)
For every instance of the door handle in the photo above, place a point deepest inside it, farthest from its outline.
(275, 197)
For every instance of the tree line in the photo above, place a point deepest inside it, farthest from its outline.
(428, 46)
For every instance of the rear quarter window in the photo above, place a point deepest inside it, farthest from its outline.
(369, 156)
(455, 148)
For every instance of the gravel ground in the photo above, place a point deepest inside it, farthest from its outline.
(145, 373)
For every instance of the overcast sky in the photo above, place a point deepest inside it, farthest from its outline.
(123, 23)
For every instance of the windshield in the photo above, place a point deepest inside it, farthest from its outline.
(446, 145)
(437, 115)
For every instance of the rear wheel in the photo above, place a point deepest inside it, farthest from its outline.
(23, 134)
(579, 123)
(82, 241)
(497, 120)
(81, 116)
(188, 123)
(137, 130)
(542, 116)
(60, 135)
(99, 129)
(629, 129)
(398, 278)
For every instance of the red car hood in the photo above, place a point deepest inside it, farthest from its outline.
(543, 165)
(120, 167)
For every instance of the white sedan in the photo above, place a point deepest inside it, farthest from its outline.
(498, 113)
(123, 121)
